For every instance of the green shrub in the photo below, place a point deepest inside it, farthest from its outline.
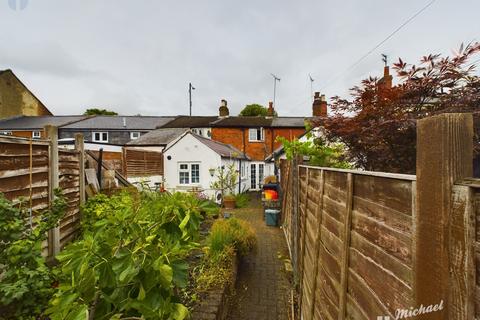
(26, 282)
(234, 233)
(129, 262)
(227, 237)
(242, 200)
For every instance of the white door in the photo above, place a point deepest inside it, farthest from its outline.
(257, 173)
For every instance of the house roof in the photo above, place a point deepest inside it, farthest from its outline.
(222, 149)
(37, 122)
(120, 123)
(291, 122)
(242, 122)
(158, 137)
(235, 121)
(190, 122)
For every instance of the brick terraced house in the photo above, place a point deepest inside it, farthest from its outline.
(254, 136)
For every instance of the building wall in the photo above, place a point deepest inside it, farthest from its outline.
(189, 149)
(257, 151)
(120, 137)
(16, 99)
(24, 133)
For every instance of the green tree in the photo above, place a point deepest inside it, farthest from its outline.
(99, 112)
(254, 110)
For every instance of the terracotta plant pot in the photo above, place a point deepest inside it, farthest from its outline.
(229, 203)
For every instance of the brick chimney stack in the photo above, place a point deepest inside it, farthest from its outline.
(223, 110)
(387, 81)
(270, 110)
(319, 108)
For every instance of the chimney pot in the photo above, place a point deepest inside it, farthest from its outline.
(317, 95)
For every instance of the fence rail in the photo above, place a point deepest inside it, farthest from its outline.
(368, 244)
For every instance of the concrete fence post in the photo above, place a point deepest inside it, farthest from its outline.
(444, 156)
(53, 163)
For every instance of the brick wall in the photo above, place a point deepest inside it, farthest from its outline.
(258, 151)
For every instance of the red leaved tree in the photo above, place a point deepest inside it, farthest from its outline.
(378, 124)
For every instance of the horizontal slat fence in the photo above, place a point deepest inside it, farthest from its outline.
(69, 181)
(377, 245)
(355, 243)
(25, 168)
(140, 163)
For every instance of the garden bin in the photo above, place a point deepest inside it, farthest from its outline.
(271, 217)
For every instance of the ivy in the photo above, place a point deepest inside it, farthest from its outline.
(26, 282)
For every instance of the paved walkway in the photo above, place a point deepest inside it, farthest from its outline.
(262, 289)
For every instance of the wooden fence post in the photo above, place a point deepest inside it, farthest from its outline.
(54, 234)
(79, 146)
(444, 156)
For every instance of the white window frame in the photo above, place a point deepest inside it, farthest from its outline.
(256, 132)
(36, 134)
(100, 133)
(189, 171)
(6, 133)
(134, 135)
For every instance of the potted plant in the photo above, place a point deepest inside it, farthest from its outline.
(226, 179)
(229, 201)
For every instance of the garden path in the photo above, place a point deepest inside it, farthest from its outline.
(262, 288)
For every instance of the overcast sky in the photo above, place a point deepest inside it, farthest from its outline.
(138, 56)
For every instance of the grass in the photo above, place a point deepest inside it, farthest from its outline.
(234, 233)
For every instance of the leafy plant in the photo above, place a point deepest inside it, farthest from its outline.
(242, 200)
(25, 279)
(130, 260)
(318, 151)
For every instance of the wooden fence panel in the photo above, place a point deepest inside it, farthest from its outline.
(69, 181)
(355, 242)
(25, 169)
(17, 181)
(139, 163)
